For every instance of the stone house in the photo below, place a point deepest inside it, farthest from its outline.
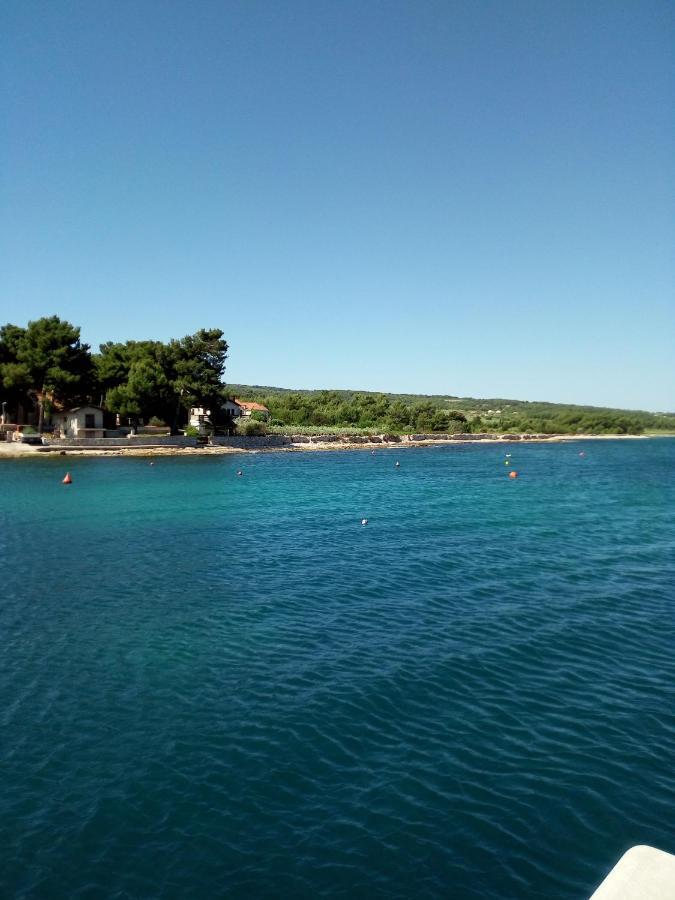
(80, 422)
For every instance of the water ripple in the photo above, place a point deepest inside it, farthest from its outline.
(213, 686)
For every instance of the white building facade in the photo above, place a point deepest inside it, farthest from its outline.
(81, 422)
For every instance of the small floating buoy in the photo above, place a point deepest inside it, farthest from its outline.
(67, 479)
(513, 474)
(582, 453)
(152, 463)
(364, 521)
(397, 465)
(507, 454)
(239, 472)
(506, 462)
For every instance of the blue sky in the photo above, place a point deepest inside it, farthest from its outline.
(471, 198)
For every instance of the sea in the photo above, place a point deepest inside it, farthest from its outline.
(225, 685)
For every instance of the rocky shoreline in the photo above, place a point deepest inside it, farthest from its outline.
(287, 443)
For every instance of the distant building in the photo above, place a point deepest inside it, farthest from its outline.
(199, 419)
(233, 409)
(249, 407)
(202, 420)
(80, 422)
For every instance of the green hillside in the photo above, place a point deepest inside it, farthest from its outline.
(367, 410)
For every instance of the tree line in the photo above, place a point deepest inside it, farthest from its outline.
(405, 413)
(369, 412)
(45, 366)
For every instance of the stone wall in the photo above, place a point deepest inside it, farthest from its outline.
(483, 436)
(283, 440)
(126, 442)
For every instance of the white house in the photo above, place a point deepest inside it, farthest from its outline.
(81, 422)
(233, 409)
(200, 419)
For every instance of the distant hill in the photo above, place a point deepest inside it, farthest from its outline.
(406, 412)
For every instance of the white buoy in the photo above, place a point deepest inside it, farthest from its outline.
(364, 521)
(239, 472)
(398, 465)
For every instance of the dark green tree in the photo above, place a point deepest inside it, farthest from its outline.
(198, 363)
(112, 364)
(46, 361)
(422, 416)
(399, 416)
(142, 379)
(14, 380)
(139, 378)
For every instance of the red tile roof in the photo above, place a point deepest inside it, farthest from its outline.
(252, 406)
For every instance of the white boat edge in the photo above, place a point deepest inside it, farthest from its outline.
(642, 873)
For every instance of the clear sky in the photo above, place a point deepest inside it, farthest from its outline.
(474, 197)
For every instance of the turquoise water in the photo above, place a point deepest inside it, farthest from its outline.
(222, 686)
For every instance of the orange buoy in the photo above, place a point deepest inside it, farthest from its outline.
(513, 474)
(67, 479)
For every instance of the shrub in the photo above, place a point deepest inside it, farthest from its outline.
(318, 429)
(157, 423)
(251, 428)
(191, 431)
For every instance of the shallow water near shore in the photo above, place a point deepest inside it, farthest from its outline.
(216, 685)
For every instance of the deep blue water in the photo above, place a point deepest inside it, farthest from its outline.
(222, 686)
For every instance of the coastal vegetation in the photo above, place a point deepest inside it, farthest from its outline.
(45, 366)
(361, 411)
(41, 363)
